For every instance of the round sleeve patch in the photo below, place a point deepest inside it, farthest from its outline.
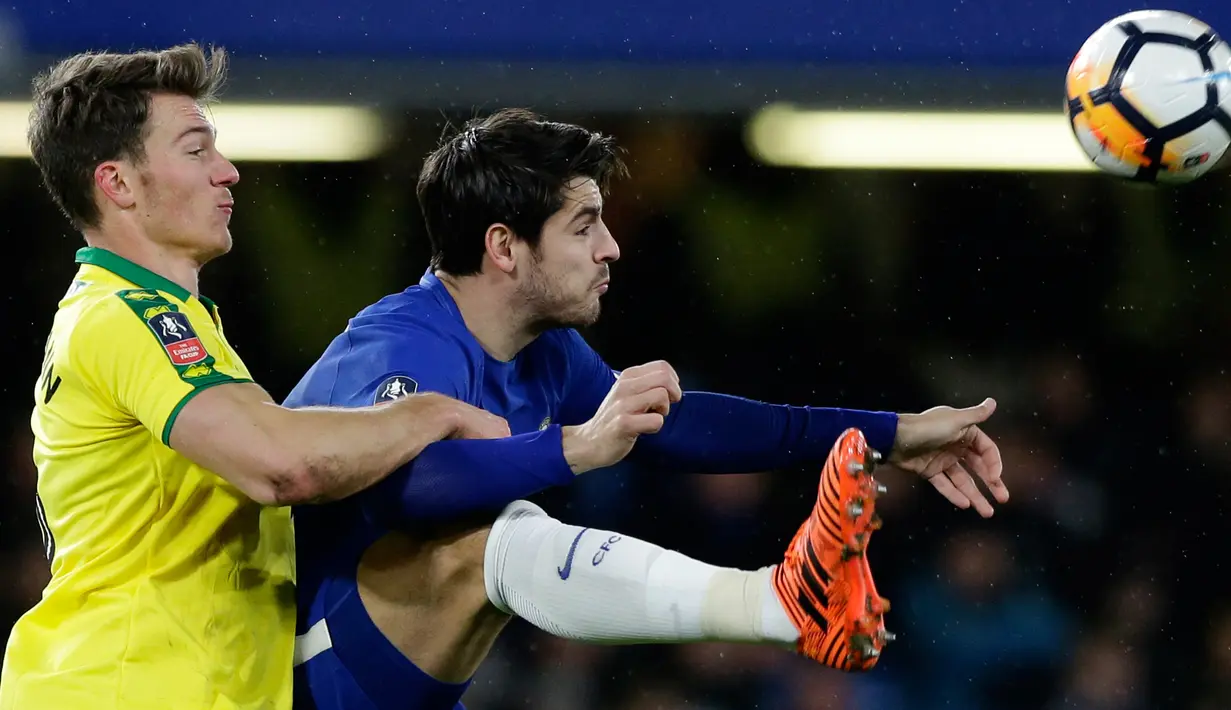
(394, 388)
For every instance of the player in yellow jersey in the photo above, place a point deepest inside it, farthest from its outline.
(163, 469)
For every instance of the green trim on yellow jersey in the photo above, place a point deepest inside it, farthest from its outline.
(175, 413)
(196, 369)
(135, 273)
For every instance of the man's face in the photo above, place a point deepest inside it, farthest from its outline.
(182, 193)
(568, 272)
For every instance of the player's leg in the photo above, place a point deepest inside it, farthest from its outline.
(603, 587)
(426, 610)
(407, 631)
(427, 595)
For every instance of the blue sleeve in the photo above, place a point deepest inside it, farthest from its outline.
(717, 433)
(453, 477)
(457, 477)
(379, 363)
(588, 380)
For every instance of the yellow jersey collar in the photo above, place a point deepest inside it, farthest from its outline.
(134, 273)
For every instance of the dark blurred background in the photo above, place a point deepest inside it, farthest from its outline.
(1096, 313)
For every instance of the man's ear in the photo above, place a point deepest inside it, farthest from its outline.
(113, 179)
(499, 244)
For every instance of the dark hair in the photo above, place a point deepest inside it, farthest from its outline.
(92, 107)
(511, 168)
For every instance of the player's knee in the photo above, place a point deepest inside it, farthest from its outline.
(442, 566)
(425, 592)
(427, 569)
(457, 562)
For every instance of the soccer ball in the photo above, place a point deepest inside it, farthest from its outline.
(1149, 97)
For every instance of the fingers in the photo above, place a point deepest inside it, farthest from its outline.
(646, 423)
(641, 378)
(491, 426)
(499, 428)
(978, 413)
(982, 458)
(966, 486)
(657, 400)
(645, 413)
(478, 424)
(639, 401)
(946, 488)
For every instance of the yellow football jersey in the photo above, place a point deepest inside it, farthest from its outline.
(169, 588)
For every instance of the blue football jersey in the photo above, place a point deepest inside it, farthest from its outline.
(417, 341)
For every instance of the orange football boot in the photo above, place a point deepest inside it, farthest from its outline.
(824, 582)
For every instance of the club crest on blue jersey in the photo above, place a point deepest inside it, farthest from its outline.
(395, 387)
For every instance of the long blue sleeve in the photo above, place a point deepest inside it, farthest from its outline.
(717, 433)
(457, 477)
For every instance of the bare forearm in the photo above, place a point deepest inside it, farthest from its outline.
(280, 456)
(343, 451)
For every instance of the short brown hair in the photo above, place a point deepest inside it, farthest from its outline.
(511, 167)
(94, 106)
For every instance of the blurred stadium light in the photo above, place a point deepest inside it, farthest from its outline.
(256, 132)
(788, 136)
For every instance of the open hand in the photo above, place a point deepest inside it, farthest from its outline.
(945, 446)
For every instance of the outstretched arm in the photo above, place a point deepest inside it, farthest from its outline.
(713, 433)
(717, 433)
(280, 456)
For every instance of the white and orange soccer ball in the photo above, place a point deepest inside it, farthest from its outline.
(1149, 97)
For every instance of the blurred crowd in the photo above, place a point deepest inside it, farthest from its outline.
(1093, 315)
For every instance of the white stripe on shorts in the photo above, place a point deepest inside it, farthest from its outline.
(315, 641)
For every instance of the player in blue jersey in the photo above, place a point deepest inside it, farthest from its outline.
(404, 587)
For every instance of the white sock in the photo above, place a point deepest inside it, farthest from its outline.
(603, 587)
